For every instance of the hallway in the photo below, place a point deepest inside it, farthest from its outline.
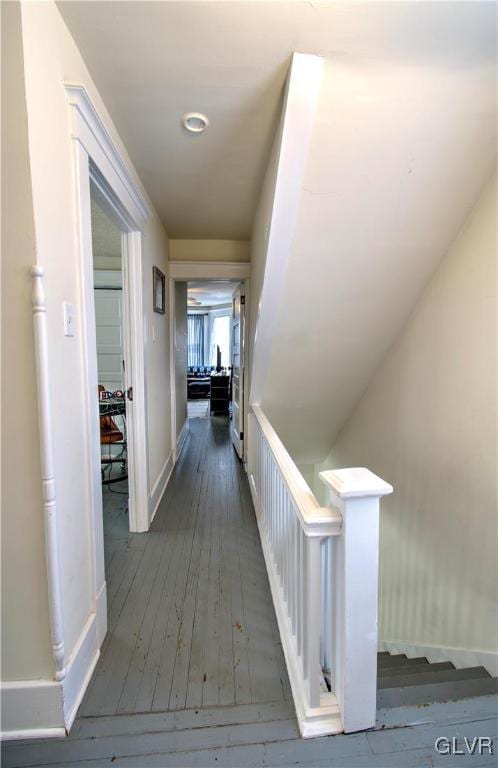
(190, 618)
(192, 671)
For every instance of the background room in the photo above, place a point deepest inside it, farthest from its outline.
(209, 326)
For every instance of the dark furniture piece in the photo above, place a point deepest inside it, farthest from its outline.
(199, 381)
(220, 393)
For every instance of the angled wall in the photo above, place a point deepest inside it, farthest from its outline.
(427, 423)
(398, 155)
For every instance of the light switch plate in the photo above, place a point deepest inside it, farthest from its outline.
(68, 312)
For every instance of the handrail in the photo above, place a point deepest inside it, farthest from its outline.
(322, 565)
(315, 519)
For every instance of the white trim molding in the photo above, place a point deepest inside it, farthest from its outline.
(159, 487)
(80, 669)
(198, 270)
(32, 709)
(135, 377)
(161, 484)
(182, 438)
(39, 709)
(88, 128)
(99, 158)
(48, 472)
(460, 657)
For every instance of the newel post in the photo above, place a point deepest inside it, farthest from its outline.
(355, 566)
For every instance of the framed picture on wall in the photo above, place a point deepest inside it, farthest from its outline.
(158, 290)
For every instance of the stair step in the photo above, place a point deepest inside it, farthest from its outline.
(415, 669)
(399, 660)
(426, 694)
(428, 676)
(180, 720)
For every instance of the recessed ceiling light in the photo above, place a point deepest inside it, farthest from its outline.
(195, 122)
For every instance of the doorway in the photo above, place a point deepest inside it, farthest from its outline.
(198, 281)
(209, 335)
(209, 308)
(111, 366)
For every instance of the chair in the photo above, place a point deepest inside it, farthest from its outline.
(110, 434)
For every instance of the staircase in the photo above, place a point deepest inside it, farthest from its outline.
(403, 682)
(415, 699)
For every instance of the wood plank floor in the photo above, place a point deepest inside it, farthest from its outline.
(191, 621)
(192, 671)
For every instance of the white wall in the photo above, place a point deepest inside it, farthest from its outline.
(209, 250)
(181, 347)
(259, 236)
(25, 643)
(50, 58)
(427, 424)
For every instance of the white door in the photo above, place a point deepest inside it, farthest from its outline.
(238, 330)
(109, 330)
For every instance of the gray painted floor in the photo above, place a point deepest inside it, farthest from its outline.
(191, 622)
(192, 671)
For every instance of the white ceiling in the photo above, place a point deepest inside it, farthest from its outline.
(211, 293)
(154, 61)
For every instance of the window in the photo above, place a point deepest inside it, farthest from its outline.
(220, 336)
(195, 349)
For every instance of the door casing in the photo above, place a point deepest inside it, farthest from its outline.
(97, 161)
(203, 270)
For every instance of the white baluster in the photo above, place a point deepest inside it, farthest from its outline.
(294, 573)
(300, 582)
(312, 647)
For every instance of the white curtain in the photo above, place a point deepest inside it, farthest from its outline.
(220, 336)
(195, 348)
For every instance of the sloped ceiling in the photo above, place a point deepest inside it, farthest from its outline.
(398, 158)
(154, 61)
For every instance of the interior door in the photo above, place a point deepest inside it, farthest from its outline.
(109, 331)
(238, 329)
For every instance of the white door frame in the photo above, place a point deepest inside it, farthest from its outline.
(241, 434)
(98, 160)
(183, 271)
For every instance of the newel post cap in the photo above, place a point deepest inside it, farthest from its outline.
(355, 482)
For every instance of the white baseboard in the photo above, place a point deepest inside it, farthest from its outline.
(32, 709)
(41, 709)
(101, 610)
(181, 440)
(460, 657)
(79, 670)
(162, 481)
(159, 486)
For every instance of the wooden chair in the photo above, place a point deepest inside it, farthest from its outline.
(109, 430)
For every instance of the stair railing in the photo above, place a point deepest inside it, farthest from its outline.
(322, 565)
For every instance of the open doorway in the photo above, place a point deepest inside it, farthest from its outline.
(205, 289)
(215, 341)
(110, 335)
(209, 310)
